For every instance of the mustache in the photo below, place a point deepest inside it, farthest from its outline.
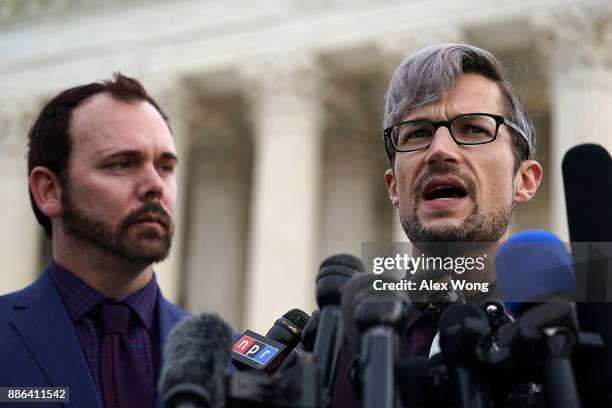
(149, 208)
(444, 169)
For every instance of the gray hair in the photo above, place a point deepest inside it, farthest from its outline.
(428, 73)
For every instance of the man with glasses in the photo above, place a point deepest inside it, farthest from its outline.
(460, 146)
(461, 155)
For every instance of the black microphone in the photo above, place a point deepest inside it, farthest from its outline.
(288, 330)
(463, 327)
(587, 179)
(266, 353)
(309, 334)
(351, 291)
(333, 274)
(306, 344)
(195, 361)
(497, 315)
(412, 377)
(380, 318)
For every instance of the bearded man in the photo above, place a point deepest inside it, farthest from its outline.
(102, 184)
(461, 152)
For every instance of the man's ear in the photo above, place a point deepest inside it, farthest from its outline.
(46, 191)
(391, 183)
(527, 181)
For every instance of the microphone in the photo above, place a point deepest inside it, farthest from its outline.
(288, 330)
(333, 274)
(380, 318)
(306, 344)
(497, 315)
(352, 289)
(413, 381)
(253, 351)
(534, 266)
(463, 328)
(587, 179)
(196, 357)
(309, 334)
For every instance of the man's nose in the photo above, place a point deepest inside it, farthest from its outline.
(443, 147)
(151, 186)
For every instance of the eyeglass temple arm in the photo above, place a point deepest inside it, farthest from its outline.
(518, 130)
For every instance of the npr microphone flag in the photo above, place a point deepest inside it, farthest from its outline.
(255, 350)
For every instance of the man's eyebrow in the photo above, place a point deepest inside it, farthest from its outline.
(169, 156)
(135, 154)
(416, 118)
(125, 153)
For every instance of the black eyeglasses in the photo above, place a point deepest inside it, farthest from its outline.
(467, 129)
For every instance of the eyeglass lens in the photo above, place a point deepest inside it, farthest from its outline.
(471, 129)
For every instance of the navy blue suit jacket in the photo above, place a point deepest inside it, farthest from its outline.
(39, 346)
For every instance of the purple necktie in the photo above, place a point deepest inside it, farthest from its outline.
(125, 383)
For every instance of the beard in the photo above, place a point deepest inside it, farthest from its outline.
(478, 226)
(147, 246)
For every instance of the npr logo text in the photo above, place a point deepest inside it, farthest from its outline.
(255, 350)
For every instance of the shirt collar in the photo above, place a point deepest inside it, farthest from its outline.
(80, 298)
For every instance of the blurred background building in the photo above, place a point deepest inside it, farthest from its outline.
(276, 108)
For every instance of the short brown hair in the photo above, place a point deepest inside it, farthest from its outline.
(49, 142)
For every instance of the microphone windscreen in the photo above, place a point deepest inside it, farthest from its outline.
(297, 317)
(348, 260)
(454, 316)
(532, 266)
(333, 274)
(587, 179)
(197, 352)
(288, 329)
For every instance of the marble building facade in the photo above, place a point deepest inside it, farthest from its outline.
(276, 108)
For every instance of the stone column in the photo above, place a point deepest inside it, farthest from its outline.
(171, 96)
(577, 45)
(356, 208)
(22, 243)
(284, 223)
(354, 195)
(219, 194)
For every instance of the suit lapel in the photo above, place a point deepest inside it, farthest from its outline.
(47, 330)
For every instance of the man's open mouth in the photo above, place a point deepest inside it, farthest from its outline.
(443, 189)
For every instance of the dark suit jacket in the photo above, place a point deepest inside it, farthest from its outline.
(39, 346)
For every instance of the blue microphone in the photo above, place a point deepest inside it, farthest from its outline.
(532, 266)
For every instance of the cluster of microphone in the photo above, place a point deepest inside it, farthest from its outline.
(542, 343)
